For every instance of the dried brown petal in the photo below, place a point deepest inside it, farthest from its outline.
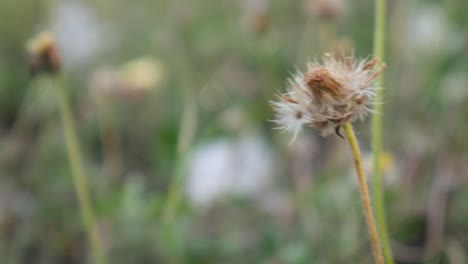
(320, 81)
(370, 64)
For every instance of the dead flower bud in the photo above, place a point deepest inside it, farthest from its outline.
(328, 95)
(326, 9)
(257, 15)
(44, 56)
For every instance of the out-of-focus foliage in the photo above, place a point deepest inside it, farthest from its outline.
(225, 60)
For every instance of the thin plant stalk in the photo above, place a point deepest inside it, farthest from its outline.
(77, 169)
(379, 52)
(174, 197)
(110, 137)
(188, 129)
(184, 141)
(364, 192)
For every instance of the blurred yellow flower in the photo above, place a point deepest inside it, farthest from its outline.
(40, 42)
(141, 75)
(387, 166)
(386, 162)
(44, 53)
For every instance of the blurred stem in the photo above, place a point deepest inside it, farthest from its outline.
(110, 137)
(174, 197)
(327, 36)
(379, 52)
(77, 169)
(364, 192)
(186, 133)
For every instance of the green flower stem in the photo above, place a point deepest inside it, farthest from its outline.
(77, 169)
(364, 192)
(110, 137)
(187, 130)
(188, 127)
(379, 52)
(174, 196)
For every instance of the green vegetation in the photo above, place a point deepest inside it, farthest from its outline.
(152, 84)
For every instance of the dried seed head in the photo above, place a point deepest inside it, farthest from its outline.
(44, 56)
(321, 83)
(328, 95)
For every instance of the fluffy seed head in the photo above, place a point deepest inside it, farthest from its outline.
(328, 95)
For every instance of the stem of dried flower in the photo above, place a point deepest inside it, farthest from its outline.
(364, 192)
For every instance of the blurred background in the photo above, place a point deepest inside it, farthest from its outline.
(176, 93)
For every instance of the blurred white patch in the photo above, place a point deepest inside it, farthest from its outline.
(227, 167)
(15, 203)
(429, 31)
(78, 34)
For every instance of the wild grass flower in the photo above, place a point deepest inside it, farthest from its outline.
(327, 95)
(45, 59)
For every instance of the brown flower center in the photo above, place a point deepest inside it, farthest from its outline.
(321, 82)
(298, 114)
